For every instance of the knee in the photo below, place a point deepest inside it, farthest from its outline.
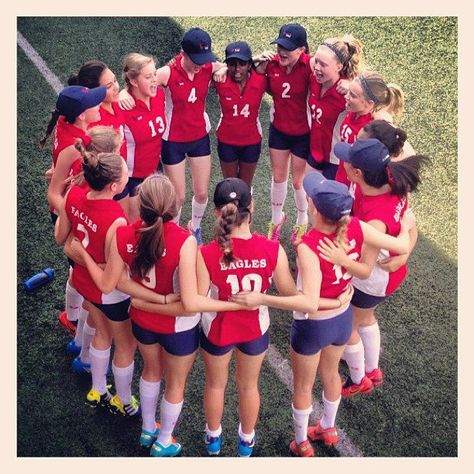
(200, 195)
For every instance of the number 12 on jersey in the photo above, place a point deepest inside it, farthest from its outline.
(245, 284)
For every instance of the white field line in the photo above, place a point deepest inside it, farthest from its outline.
(279, 364)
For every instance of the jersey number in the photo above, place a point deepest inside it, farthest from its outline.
(346, 133)
(245, 284)
(338, 270)
(245, 110)
(192, 96)
(85, 240)
(286, 88)
(316, 113)
(161, 126)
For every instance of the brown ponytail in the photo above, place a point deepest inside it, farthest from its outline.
(52, 123)
(341, 232)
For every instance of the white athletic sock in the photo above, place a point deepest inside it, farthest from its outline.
(354, 355)
(248, 437)
(149, 394)
(301, 418)
(123, 382)
(80, 326)
(197, 212)
(370, 336)
(73, 302)
(278, 193)
(301, 206)
(168, 417)
(215, 433)
(87, 335)
(99, 364)
(178, 217)
(328, 420)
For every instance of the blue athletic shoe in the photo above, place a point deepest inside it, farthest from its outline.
(197, 233)
(159, 451)
(245, 448)
(80, 367)
(147, 438)
(72, 347)
(213, 445)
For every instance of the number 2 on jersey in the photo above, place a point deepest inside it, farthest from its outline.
(286, 88)
(245, 284)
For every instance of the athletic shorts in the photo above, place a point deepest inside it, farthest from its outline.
(309, 336)
(173, 153)
(124, 193)
(365, 301)
(132, 185)
(255, 347)
(328, 170)
(246, 154)
(115, 311)
(179, 344)
(297, 144)
(54, 218)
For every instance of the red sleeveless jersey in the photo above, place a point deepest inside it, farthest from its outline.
(143, 131)
(289, 112)
(186, 117)
(389, 209)
(257, 259)
(163, 277)
(90, 220)
(327, 113)
(239, 124)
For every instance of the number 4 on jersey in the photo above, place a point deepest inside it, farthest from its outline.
(192, 96)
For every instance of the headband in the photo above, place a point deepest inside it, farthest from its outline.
(339, 54)
(367, 91)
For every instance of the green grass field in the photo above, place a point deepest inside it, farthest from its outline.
(415, 412)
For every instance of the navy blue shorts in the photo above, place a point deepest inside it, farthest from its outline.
(124, 193)
(297, 144)
(309, 336)
(178, 344)
(115, 311)
(132, 185)
(173, 153)
(365, 301)
(255, 347)
(231, 153)
(328, 170)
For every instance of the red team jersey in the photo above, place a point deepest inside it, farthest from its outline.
(289, 91)
(389, 209)
(327, 113)
(186, 117)
(143, 131)
(252, 272)
(350, 127)
(163, 278)
(239, 124)
(90, 220)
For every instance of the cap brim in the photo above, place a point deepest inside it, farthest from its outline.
(342, 151)
(202, 58)
(241, 57)
(285, 44)
(95, 97)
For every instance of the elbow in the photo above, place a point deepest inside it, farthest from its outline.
(189, 305)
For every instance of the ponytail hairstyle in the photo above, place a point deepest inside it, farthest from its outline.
(103, 139)
(88, 75)
(389, 97)
(49, 129)
(132, 65)
(348, 51)
(100, 169)
(341, 230)
(157, 202)
(392, 137)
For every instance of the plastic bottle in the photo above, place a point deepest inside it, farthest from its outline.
(38, 280)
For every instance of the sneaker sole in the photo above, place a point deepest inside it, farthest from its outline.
(326, 443)
(352, 395)
(214, 453)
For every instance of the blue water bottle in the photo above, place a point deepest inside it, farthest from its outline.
(38, 280)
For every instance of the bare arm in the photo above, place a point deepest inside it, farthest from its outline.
(62, 227)
(393, 263)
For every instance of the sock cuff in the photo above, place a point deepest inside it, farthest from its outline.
(350, 348)
(246, 436)
(122, 370)
(149, 388)
(367, 329)
(284, 184)
(301, 411)
(215, 433)
(105, 354)
(88, 329)
(171, 406)
(329, 402)
(199, 204)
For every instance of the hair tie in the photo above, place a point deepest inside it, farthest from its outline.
(390, 177)
(227, 251)
(339, 54)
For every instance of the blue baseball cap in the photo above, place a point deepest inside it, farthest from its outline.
(291, 36)
(369, 154)
(238, 50)
(196, 43)
(331, 198)
(73, 100)
(233, 190)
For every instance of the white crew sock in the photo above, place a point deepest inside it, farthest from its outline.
(278, 192)
(168, 417)
(99, 364)
(301, 418)
(87, 335)
(328, 420)
(73, 302)
(354, 355)
(80, 326)
(370, 336)
(197, 212)
(149, 394)
(248, 437)
(215, 433)
(123, 382)
(301, 206)
(178, 216)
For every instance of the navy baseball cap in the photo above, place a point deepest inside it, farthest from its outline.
(73, 100)
(238, 50)
(369, 154)
(331, 198)
(291, 36)
(196, 43)
(231, 190)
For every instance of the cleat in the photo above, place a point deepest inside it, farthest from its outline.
(128, 410)
(159, 451)
(69, 326)
(245, 448)
(197, 233)
(376, 376)
(72, 347)
(213, 444)
(298, 232)
(350, 389)
(274, 230)
(80, 367)
(329, 435)
(95, 399)
(147, 438)
(304, 449)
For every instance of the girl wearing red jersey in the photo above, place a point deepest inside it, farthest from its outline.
(318, 336)
(381, 201)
